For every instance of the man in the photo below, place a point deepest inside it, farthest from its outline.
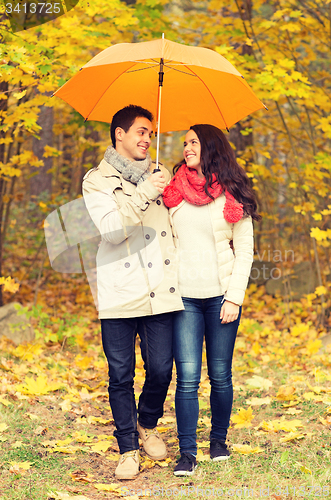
(136, 281)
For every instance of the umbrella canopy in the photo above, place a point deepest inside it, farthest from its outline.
(199, 85)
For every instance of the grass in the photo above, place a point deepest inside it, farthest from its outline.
(57, 444)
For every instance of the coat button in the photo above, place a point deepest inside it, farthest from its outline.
(152, 294)
(171, 290)
(127, 264)
(158, 202)
(163, 233)
(149, 264)
(147, 236)
(167, 262)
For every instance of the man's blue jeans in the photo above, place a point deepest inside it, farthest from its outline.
(118, 338)
(201, 318)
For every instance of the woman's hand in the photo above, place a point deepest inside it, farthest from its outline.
(229, 312)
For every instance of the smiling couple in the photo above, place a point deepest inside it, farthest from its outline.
(150, 291)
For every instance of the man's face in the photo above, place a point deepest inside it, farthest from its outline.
(134, 143)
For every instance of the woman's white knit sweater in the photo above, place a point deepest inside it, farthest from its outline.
(198, 269)
(233, 267)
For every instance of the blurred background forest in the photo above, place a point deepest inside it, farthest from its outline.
(283, 49)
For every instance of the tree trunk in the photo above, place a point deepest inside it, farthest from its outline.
(3, 109)
(89, 160)
(244, 143)
(42, 180)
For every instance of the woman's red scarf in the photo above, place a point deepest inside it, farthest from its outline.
(187, 185)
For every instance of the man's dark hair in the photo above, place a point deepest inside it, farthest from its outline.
(125, 117)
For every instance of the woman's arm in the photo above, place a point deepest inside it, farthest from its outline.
(229, 312)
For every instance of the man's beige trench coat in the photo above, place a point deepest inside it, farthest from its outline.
(136, 268)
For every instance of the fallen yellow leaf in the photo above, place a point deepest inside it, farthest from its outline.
(3, 427)
(100, 446)
(292, 436)
(163, 429)
(81, 476)
(245, 449)
(113, 457)
(22, 465)
(63, 449)
(97, 420)
(38, 387)
(259, 383)
(17, 444)
(65, 405)
(147, 464)
(167, 420)
(163, 463)
(259, 401)
(243, 418)
(4, 401)
(204, 444)
(115, 487)
(292, 403)
(304, 469)
(32, 416)
(201, 457)
(58, 495)
(293, 411)
(286, 393)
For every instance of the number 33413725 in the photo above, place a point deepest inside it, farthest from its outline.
(33, 8)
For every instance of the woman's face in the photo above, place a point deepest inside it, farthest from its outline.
(192, 151)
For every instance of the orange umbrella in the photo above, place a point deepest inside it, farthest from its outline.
(198, 85)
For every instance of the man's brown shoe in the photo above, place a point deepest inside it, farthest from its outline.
(152, 443)
(128, 465)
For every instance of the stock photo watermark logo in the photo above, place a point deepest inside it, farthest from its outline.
(25, 14)
(118, 259)
(267, 264)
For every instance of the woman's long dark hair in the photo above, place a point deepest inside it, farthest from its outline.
(217, 157)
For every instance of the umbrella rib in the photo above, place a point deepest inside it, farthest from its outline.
(141, 69)
(211, 96)
(180, 71)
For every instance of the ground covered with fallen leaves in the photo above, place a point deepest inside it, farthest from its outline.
(56, 428)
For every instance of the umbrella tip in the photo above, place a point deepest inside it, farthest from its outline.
(265, 107)
(227, 129)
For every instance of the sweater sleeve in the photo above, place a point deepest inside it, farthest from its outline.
(243, 243)
(116, 223)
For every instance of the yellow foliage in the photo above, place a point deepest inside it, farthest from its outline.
(28, 352)
(38, 387)
(313, 346)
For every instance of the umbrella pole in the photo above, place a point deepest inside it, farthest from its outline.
(161, 73)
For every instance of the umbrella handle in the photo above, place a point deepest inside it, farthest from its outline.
(156, 170)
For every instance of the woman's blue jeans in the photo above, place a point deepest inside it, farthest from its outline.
(201, 318)
(118, 338)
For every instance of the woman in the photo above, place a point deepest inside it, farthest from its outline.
(211, 210)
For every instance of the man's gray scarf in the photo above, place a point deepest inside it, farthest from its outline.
(133, 171)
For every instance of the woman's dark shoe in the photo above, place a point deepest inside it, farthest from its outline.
(186, 465)
(218, 450)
